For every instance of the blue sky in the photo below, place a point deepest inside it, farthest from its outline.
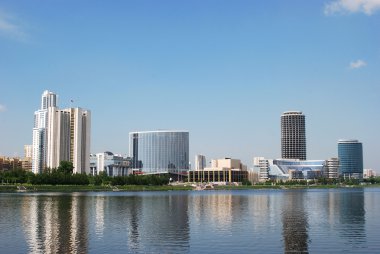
(224, 70)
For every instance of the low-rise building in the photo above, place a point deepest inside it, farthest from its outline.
(368, 173)
(225, 170)
(113, 165)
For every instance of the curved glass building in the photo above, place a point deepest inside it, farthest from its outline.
(159, 151)
(350, 153)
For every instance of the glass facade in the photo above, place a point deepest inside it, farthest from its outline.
(159, 151)
(350, 153)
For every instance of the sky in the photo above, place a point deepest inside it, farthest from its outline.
(223, 70)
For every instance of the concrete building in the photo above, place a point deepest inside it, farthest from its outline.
(293, 135)
(368, 173)
(111, 164)
(225, 170)
(28, 151)
(331, 169)
(262, 166)
(10, 163)
(350, 154)
(68, 138)
(200, 162)
(60, 135)
(163, 151)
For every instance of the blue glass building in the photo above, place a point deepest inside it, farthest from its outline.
(159, 151)
(350, 153)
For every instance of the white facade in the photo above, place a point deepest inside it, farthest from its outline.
(39, 148)
(368, 173)
(200, 162)
(60, 135)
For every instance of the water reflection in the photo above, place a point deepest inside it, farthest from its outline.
(295, 224)
(55, 224)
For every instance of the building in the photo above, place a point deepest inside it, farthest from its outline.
(10, 163)
(262, 167)
(293, 135)
(48, 99)
(111, 164)
(368, 173)
(350, 153)
(163, 151)
(331, 170)
(225, 170)
(68, 138)
(28, 151)
(200, 162)
(60, 135)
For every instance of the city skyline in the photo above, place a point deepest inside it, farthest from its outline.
(223, 71)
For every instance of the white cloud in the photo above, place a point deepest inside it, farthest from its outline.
(2, 108)
(9, 27)
(350, 6)
(357, 64)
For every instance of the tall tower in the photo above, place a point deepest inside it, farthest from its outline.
(293, 135)
(350, 153)
(60, 135)
(200, 162)
(48, 99)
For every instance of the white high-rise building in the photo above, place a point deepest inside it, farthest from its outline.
(48, 99)
(69, 138)
(61, 135)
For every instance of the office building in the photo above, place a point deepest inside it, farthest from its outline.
(331, 170)
(200, 162)
(293, 135)
(350, 153)
(261, 165)
(160, 151)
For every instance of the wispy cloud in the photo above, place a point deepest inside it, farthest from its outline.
(10, 27)
(2, 108)
(350, 6)
(357, 64)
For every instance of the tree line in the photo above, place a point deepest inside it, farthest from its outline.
(63, 175)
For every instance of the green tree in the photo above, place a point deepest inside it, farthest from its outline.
(66, 167)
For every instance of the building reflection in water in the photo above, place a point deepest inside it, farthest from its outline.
(295, 222)
(352, 217)
(55, 224)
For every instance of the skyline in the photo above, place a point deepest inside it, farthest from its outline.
(223, 71)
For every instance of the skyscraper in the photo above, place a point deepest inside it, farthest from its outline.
(293, 135)
(61, 135)
(350, 153)
(48, 99)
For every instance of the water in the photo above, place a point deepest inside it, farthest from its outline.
(251, 221)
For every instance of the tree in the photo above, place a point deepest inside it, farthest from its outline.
(66, 167)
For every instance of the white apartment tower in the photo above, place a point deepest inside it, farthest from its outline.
(66, 137)
(48, 99)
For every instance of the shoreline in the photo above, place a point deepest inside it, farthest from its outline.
(134, 188)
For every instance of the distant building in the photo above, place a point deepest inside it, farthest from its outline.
(160, 151)
(350, 154)
(10, 163)
(111, 164)
(368, 173)
(200, 162)
(293, 135)
(331, 169)
(262, 167)
(225, 170)
(28, 151)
